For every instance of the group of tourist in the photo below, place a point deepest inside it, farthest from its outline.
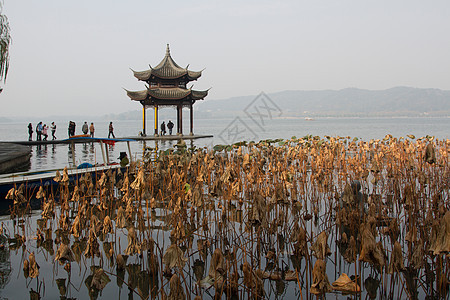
(85, 129)
(88, 128)
(169, 126)
(42, 130)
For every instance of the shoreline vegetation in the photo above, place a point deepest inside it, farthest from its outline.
(293, 218)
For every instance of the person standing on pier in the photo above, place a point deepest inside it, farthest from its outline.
(39, 132)
(170, 126)
(30, 132)
(163, 128)
(53, 128)
(85, 128)
(45, 131)
(92, 129)
(111, 130)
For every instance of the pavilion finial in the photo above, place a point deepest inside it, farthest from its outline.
(167, 50)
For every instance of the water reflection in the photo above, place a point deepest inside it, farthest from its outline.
(66, 155)
(85, 152)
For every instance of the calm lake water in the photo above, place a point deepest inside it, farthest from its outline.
(13, 285)
(225, 131)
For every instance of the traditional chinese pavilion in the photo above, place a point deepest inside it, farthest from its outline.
(166, 86)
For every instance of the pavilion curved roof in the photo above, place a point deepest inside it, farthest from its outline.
(167, 69)
(174, 93)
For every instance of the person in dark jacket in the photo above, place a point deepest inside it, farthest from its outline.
(111, 131)
(163, 128)
(124, 161)
(30, 132)
(170, 127)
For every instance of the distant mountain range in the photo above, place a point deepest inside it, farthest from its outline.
(398, 101)
(350, 102)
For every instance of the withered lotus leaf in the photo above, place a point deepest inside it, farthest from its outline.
(440, 236)
(126, 183)
(351, 251)
(121, 261)
(100, 279)
(217, 265)
(64, 254)
(76, 194)
(47, 210)
(65, 177)
(345, 284)
(40, 194)
(33, 269)
(320, 284)
(430, 155)
(93, 248)
(252, 281)
(107, 225)
(57, 177)
(61, 283)
(411, 235)
(103, 180)
(139, 181)
(174, 257)
(417, 258)
(76, 227)
(199, 269)
(320, 248)
(300, 246)
(176, 289)
(121, 218)
(258, 211)
(133, 245)
(371, 251)
(26, 268)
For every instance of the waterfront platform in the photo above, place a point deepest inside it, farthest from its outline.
(14, 157)
(79, 140)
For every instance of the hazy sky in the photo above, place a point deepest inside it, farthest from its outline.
(73, 57)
